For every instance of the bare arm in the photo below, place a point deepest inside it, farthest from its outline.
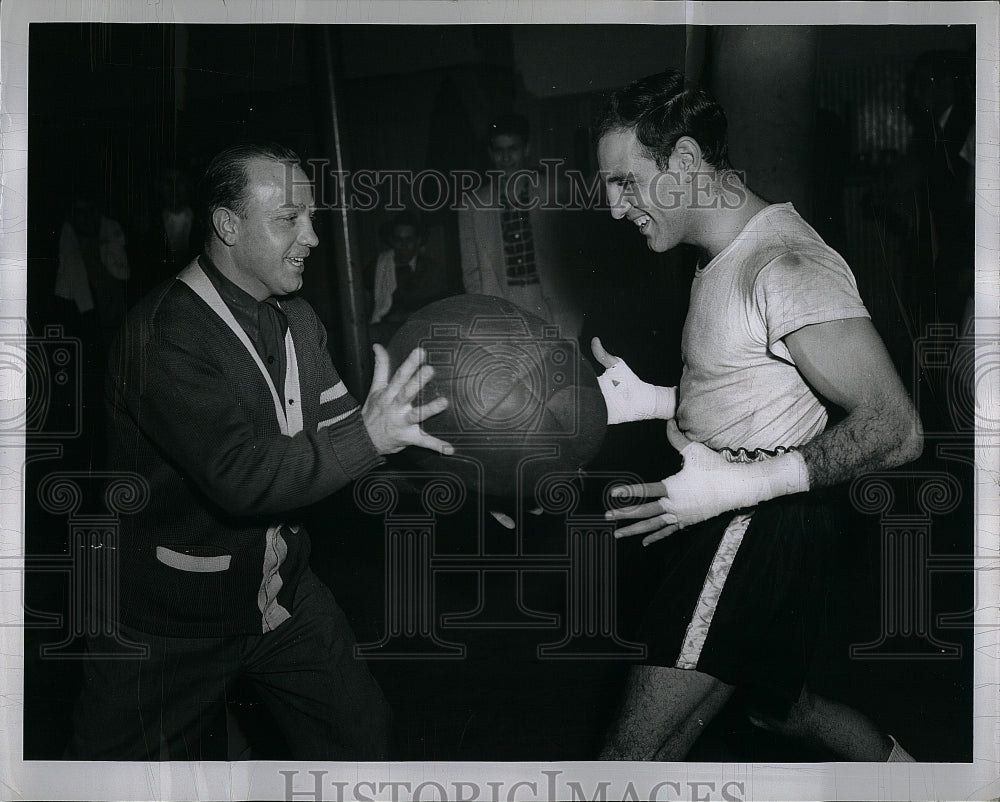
(846, 362)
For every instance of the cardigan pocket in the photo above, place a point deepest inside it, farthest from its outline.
(193, 563)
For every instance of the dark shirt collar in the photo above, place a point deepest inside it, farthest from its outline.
(245, 308)
(522, 198)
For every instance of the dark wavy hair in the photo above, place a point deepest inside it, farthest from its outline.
(225, 180)
(511, 123)
(660, 110)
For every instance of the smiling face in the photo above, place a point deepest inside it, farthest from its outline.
(269, 242)
(509, 152)
(656, 201)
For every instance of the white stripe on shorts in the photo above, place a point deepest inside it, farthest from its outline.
(708, 599)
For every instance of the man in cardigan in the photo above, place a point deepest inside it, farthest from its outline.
(222, 395)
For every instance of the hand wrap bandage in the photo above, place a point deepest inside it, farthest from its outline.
(628, 398)
(707, 485)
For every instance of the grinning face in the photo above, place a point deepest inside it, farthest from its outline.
(656, 201)
(273, 237)
(508, 152)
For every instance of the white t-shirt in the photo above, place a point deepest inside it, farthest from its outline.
(740, 387)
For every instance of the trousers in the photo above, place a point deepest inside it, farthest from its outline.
(323, 700)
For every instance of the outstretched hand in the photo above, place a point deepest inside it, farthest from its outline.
(393, 422)
(707, 485)
(627, 397)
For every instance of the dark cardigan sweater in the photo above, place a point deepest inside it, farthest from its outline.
(192, 413)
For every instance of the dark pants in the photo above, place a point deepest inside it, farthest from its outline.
(325, 703)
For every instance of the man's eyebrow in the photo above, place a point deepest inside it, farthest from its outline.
(618, 178)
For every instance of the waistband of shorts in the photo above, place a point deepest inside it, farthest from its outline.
(744, 456)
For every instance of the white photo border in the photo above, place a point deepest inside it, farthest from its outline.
(42, 780)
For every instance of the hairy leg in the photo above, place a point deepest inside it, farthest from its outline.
(831, 725)
(663, 713)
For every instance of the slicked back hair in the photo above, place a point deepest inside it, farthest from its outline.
(225, 181)
(659, 110)
(512, 124)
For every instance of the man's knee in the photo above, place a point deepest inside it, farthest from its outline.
(663, 713)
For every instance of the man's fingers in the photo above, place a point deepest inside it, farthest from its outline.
(652, 508)
(405, 372)
(424, 440)
(602, 356)
(429, 410)
(676, 437)
(381, 373)
(503, 519)
(667, 530)
(414, 384)
(645, 527)
(645, 490)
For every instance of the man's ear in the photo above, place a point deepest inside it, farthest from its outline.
(226, 224)
(686, 156)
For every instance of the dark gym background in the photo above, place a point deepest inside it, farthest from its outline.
(834, 119)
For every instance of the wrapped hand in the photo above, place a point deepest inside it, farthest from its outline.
(627, 397)
(707, 485)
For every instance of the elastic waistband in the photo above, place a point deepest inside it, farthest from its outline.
(744, 455)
